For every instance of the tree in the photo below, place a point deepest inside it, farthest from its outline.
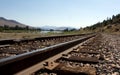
(73, 29)
(16, 27)
(6, 27)
(27, 28)
(51, 30)
(65, 30)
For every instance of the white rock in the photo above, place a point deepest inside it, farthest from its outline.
(115, 73)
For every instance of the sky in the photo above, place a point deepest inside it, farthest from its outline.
(67, 13)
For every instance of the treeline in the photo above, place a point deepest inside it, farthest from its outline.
(7, 28)
(109, 21)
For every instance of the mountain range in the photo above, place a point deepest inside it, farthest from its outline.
(10, 23)
(13, 23)
(47, 27)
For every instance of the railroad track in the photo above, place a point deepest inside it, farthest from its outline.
(96, 56)
(13, 47)
(88, 55)
(47, 59)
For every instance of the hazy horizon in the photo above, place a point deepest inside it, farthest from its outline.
(60, 13)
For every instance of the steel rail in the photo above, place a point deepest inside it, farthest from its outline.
(14, 64)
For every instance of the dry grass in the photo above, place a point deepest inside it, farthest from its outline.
(19, 35)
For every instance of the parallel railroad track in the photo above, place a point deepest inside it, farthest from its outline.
(34, 61)
(13, 47)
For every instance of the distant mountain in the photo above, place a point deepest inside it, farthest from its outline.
(48, 27)
(55, 28)
(10, 23)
